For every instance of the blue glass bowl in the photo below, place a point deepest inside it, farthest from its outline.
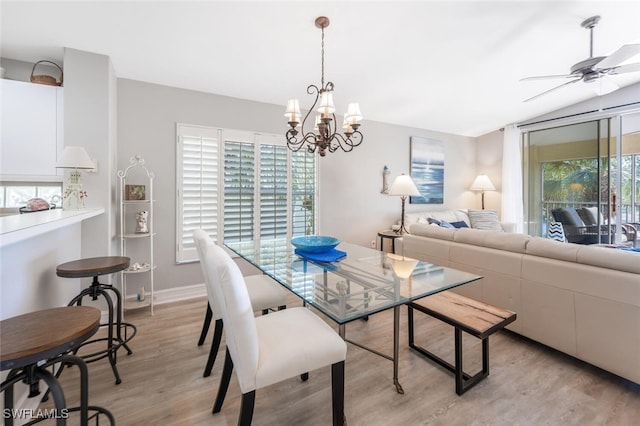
(314, 243)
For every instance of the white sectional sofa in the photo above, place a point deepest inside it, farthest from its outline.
(452, 216)
(581, 300)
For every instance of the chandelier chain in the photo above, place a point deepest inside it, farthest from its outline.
(322, 62)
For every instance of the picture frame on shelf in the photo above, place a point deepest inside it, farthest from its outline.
(134, 192)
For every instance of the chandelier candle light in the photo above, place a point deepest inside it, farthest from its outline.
(324, 136)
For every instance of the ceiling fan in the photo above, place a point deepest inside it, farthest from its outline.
(595, 68)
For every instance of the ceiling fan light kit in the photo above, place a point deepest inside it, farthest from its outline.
(595, 69)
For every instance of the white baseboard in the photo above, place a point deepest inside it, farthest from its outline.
(170, 295)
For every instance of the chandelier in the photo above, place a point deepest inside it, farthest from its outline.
(324, 136)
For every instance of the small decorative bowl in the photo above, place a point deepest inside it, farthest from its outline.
(314, 243)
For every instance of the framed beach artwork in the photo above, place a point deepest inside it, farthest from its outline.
(427, 170)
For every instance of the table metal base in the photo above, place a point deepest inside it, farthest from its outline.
(396, 346)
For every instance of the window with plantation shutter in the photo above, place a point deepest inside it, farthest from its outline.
(273, 191)
(239, 190)
(303, 193)
(239, 185)
(198, 187)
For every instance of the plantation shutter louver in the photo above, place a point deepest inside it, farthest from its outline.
(198, 192)
(239, 190)
(273, 191)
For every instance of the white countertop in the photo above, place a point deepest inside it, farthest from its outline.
(22, 226)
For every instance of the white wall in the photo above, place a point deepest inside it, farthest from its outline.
(89, 103)
(351, 206)
(489, 162)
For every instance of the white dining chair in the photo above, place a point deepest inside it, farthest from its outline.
(270, 348)
(264, 293)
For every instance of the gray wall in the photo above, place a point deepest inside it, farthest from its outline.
(351, 206)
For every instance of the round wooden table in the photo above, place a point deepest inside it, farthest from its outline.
(95, 267)
(47, 335)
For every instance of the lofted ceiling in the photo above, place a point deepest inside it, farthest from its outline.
(449, 66)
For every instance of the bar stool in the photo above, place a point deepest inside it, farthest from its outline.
(32, 342)
(94, 267)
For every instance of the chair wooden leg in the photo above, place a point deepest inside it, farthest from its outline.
(205, 325)
(337, 393)
(246, 408)
(215, 346)
(224, 382)
(282, 307)
(304, 377)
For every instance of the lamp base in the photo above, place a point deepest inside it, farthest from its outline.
(73, 191)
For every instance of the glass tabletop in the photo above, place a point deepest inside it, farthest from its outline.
(364, 282)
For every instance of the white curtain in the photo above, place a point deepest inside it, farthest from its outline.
(512, 197)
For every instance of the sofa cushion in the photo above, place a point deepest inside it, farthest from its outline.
(448, 215)
(544, 247)
(432, 231)
(607, 257)
(471, 236)
(484, 219)
(516, 243)
(568, 216)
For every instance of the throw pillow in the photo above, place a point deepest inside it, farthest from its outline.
(556, 232)
(484, 219)
(433, 221)
(445, 224)
(460, 224)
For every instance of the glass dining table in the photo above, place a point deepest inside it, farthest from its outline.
(363, 283)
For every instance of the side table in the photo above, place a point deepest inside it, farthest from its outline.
(392, 235)
(32, 342)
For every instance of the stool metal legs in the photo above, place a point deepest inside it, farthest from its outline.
(95, 290)
(32, 374)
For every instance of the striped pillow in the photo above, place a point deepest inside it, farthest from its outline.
(484, 219)
(556, 232)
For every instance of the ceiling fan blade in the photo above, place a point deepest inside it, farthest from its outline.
(547, 77)
(626, 68)
(620, 55)
(552, 89)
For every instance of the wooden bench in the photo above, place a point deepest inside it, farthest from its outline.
(476, 318)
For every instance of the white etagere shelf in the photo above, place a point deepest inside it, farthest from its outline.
(136, 181)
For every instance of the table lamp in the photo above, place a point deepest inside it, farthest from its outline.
(403, 186)
(482, 183)
(74, 158)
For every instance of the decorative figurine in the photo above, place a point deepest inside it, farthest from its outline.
(385, 183)
(141, 222)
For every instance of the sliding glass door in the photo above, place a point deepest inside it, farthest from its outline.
(584, 176)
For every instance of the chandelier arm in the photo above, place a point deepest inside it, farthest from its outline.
(311, 89)
(346, 143)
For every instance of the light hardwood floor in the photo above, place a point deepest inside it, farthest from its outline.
(529, 384)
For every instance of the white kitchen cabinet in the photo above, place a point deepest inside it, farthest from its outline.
(32, 131)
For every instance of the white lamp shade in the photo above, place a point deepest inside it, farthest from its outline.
(293, 110)
(326, 104)
(353, 114)
(482, 183)
(74, 157)
(403, 185)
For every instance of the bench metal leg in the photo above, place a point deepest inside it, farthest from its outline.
(464, 381)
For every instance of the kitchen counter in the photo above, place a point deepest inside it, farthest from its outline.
(23, 226)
